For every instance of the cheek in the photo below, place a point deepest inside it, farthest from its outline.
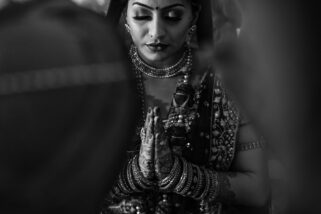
(178, 34)
(138, 32)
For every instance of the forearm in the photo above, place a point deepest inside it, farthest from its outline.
(246, 188)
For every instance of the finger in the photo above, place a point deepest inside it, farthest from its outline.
(157, 120)
(151, 146)
(148, 116)
(151, 143)
(156, 111)
(157, 125)
(150, 128)
(157, 146)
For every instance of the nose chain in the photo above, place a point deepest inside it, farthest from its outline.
(161, 73)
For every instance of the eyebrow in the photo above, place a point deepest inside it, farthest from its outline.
(164, 8)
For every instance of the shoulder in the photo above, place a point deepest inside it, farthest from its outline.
(247, 137)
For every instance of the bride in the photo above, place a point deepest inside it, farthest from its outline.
(194, 152)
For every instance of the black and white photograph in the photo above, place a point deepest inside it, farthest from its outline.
(159, 107)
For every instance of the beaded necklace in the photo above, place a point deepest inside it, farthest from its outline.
(162, 73)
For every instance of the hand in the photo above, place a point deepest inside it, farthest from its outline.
(146, 154)
(163, 155)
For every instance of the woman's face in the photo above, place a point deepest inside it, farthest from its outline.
(159, 28)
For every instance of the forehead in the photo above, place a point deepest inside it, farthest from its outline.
(159, 3)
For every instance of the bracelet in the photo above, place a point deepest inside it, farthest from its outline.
(189, 181)
(202, 187)
(118, 193)
(175, 178)
(171, 175)
(123, 185)
(139, 177)
(182, 180)
(194, 182)
(207, 185)
(199, 182)
(130, 177)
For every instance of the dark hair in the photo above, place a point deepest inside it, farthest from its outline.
(195, 5)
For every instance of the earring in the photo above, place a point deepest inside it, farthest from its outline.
(127, 28)
(190, 34)
(193, 29)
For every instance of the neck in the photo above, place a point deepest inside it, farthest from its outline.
(166, 62)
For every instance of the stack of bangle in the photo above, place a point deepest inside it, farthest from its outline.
(130, 180)
(200, 183)
(183, 178)
(143, 182)
(195, 182)
(207, 185)
(190, 185)
(130, 177)
(122, 188)
(168, 183)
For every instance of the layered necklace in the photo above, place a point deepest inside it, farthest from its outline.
(184, 62)
(183, 66)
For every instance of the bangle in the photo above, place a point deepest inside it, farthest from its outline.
(123, 186)
(174, 177)
(194, 181)
(199, 182)
(171, 173)
(207, 185)
(189, 181)
(139, 177)
(130, 177)
(182, 180)
(117, 192)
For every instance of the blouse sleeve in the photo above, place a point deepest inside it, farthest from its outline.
(224, 125)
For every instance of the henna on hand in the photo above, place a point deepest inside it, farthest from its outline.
(163, 155)
(146, 154)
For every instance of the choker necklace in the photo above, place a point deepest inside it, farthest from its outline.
(183, 64)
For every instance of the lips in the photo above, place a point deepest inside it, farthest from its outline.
(157, 47)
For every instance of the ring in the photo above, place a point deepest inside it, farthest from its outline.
(142, 133)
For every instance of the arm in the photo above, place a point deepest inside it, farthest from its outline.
(245, 184)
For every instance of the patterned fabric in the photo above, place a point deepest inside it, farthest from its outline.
(225, 122)
(213, 143)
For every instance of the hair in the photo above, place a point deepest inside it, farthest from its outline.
(195, 6)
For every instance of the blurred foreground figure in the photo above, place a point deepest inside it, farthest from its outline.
(66, 101)
(271, 69)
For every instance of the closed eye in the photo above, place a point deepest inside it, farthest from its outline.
(142, 18)
(173, 19)
(173, 15)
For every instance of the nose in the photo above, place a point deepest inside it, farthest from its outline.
(157, 29)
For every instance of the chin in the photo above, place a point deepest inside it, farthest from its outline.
(155, 57)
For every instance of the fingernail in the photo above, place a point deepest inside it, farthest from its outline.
(157, 110)
(156, 119)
